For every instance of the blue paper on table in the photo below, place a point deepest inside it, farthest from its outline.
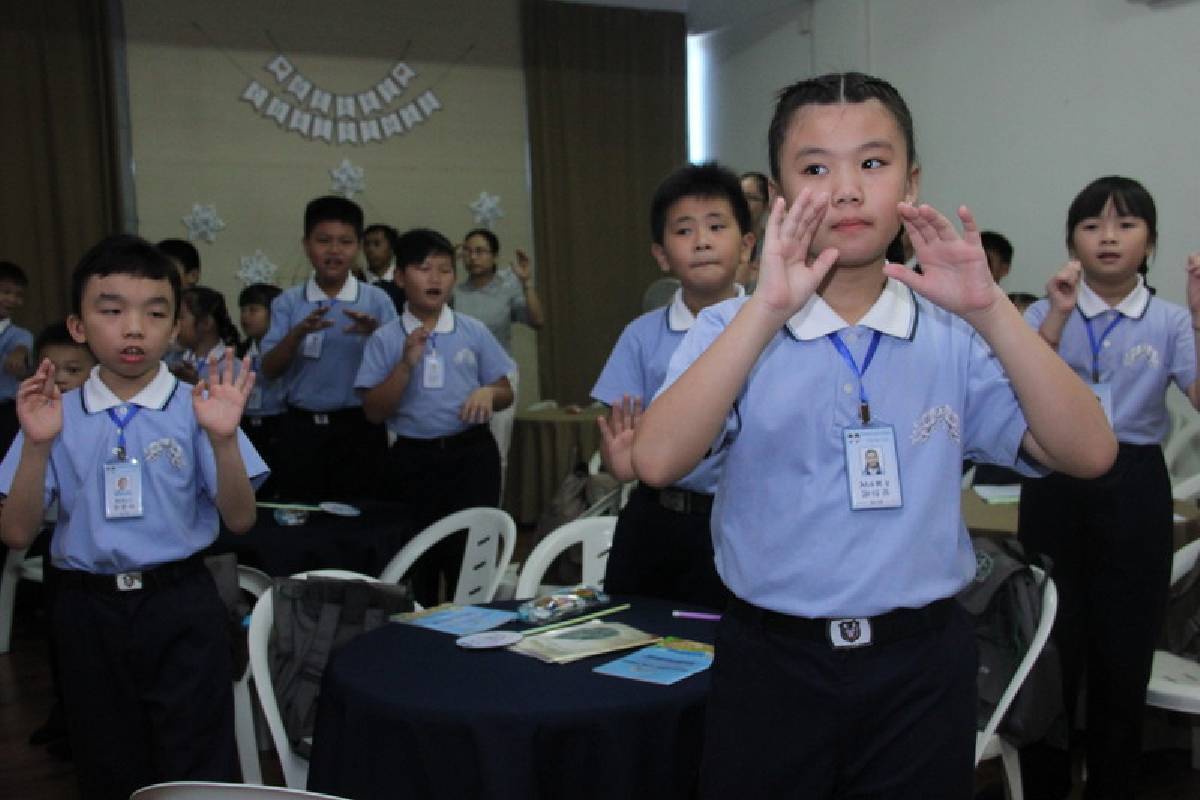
(464, 620)
(659, 664)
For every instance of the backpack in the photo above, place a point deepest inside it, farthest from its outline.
(578, 492)
(314, 617)
(1004, 602)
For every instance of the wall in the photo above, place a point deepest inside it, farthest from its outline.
(196, 141)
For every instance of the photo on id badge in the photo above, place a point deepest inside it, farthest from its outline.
(122, 490)
(872, 470)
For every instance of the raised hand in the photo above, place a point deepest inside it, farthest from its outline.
(1063, 288)
(522, 267)
(414, 346)
(478, 406)
(315, 321)
(786, 275)
(218, 400)
(956, 274)
(360, 322)
(616, 437)
(39, 405)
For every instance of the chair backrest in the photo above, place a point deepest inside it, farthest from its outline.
(201, 790)
(295, 767)
(1045, 624)
(1181, 442)
(252, 580)
(1183, 560)
(491, 536)
(594, 533)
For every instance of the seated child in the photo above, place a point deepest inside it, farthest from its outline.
(328, 449)
(141, 466)
(265, 407)
(700, 228)
(436, 377)
(14, 347)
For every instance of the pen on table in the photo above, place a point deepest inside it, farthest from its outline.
(696, 615)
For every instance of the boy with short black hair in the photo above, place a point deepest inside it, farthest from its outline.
(700, 228)
(186, 258)
(328, 449)
(999, 253)
(435, 377)
(15, 342)
(142, 467)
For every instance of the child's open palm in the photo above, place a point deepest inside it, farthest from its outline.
(956, 275)
(786, 278)
(616, 437)
(219, 399)
(39, 405)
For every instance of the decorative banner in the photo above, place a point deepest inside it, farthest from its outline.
(486, 209)
(257, 269)
(302, 107)
(348, 179)
(203, 223)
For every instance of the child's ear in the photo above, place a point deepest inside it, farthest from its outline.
(913, 185)
(748, 240)
(75, 328)
(660, 256)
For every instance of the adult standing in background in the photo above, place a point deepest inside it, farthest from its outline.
(757, 190)
(498, 299)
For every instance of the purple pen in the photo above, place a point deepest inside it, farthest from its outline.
(696, 615)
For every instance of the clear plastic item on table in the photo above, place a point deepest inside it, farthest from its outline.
(561, 604)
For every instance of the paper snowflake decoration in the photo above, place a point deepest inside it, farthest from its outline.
(256, 269)
(348, 179)
(203, 223)
(486, 209)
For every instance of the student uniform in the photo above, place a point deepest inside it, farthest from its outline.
(662, 546)
(844, 666)
(439, 464)
(328, 450)
(263, 418)
(141, 632)
(1110, 539)
(11, 337)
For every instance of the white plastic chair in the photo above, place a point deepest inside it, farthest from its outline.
(198, 790)
(1186, 489)
(1175, 680)
(255, 582)
(491, 536)
(16, 569)
(988, 744)
(295, 766)
(594, 533)
(1183, 441)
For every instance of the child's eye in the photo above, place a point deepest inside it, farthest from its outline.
(814, 169)
(874, 163)
(683, 231)
(718, 226)
(1088, 226)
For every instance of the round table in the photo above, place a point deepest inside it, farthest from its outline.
(404, 712)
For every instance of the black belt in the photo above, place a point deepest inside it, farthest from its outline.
(472, 435)
(679, 500)
(850, 631)
(137, 580)
(354, 414)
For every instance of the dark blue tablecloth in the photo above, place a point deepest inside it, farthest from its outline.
(405, 713)
(365, 543)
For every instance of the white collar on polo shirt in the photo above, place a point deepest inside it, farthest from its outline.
(98, 397)
(445, 323)
(4, 323)
(680, 317)
(347, 294)
(1133, 306)
(894, 313)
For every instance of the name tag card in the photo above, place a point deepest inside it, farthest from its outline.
(872, 468)
(435, 372)
(122, 490)
(312, 344)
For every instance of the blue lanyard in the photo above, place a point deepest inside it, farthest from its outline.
(121, 423)
(1095, 343)
(864, 409)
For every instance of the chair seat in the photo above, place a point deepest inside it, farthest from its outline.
(1174, 683)
(32, 569)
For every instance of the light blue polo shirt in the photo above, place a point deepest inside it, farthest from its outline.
(638, 365)
(498, 304)
(326, 383)
(1149, 348)
(11, 337)
(179, 478)
(471, 358)
(271, 393)
(784, 535)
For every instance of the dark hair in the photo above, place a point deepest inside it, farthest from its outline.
(11, 273)
(835, 89)
(764, 186)
(492, 240)
(332, 208)
(998, 243)
(708, 180)
(205, 303)
(258, 294)
(55, 334)
(184, 252)
(1130, 199)
(389, 233)
(123, 254)
(1022, 298)
(416, 245)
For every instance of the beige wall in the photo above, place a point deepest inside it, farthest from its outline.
(196, 141)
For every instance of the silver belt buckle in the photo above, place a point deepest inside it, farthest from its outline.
(129, 581)
(850, 632)
(320, 419)
(673, 500)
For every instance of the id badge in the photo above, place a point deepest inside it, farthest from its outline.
(312, 344)
(1103, 392)
(255, 400)
(122, 490)
(435, 372)
(872, 468)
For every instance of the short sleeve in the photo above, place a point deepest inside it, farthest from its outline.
(380, 355)
(494, 363)
(281, 322)
(1035, 315)
(1183, 354)
(256, 469)
(8, 470)
(994, 423)
(385, 309)
(708, 326)
(622, 373)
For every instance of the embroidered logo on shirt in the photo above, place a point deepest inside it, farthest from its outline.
(933, 418)
(168, 447)
(1142, 352)
(465, 356)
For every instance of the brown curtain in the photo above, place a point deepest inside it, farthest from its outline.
(606, 90)
(58, 166)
